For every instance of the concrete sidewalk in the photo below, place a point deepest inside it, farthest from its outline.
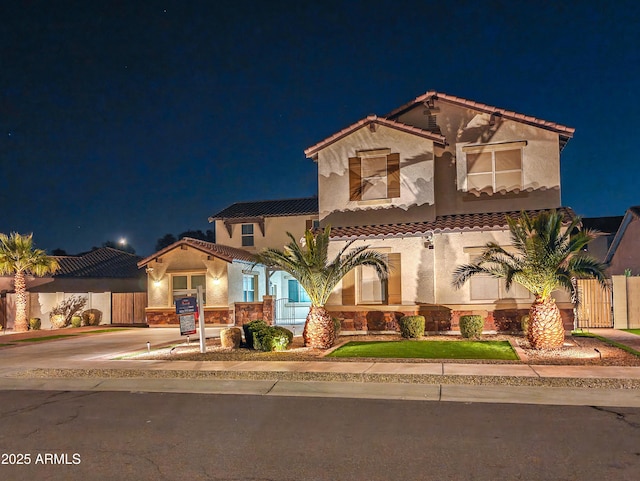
(397, 391)
(182, 376)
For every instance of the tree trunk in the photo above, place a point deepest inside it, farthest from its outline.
(546, 330)
(21, 324)
(318, 330)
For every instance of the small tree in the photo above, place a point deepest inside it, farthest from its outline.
(19, 258)
(547, 256)
(318, 276)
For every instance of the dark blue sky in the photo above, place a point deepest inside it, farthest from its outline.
(137, 119)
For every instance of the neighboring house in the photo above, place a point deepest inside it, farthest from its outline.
(607, 228)
(236, 289)
(430, 184)
(107, 279)
(255, 225)
(623, 254)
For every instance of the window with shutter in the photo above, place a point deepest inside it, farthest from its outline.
(374, 175)
(372, 290)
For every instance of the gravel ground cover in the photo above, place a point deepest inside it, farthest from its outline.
(578, 351)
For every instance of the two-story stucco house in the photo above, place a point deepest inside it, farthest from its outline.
(430, 184)
(236, 290)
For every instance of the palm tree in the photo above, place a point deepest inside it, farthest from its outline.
(308, 263)
(547, 257)
(19, 258)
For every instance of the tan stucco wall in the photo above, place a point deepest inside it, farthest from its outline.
(181, 261)
(416, 173)
(416, 267)
(463, 126)
(427, 273)
(627, 254)
(275, 232)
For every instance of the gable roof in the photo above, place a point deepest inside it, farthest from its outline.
(633, 213)
(443, 223)
(221, 251)
(606, 225)
(104, 262)
(269, 208)
(374, 119)
(564, 132)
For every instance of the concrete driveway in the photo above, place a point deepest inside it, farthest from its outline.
(66, 352)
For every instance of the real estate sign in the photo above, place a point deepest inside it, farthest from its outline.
(187, 310)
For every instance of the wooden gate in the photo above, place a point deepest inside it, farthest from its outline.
(595, 307)
(128, 307)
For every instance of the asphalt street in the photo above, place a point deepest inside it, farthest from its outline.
(169, 436)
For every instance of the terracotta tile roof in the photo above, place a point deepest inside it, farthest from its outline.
(565, 132)
(99, 263)
(269, 208)
(445, 223)
(373, 119)
(221, 251)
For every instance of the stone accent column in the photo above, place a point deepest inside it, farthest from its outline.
(268, 309)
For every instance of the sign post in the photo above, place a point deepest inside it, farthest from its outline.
(203, 345)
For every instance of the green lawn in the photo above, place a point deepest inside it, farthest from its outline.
(113, 329)
(45, 338)
(428, 350)
(633, 331)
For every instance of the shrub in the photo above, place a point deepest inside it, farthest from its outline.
(272, 338)
(58, 321)
(249, 328)
(91, 317)
(411, 327)
(471, 326)
(67, 308)
(34, 323)
(337, 326)
(524, 324)
(76, 321)
(231, 337)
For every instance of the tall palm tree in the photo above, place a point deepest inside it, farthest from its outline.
(309, 264)
(547, 256)
(19, 258)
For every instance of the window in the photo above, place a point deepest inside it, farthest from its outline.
(374, 174)
(296, 292)
(186, 285)
(372, 289)
(247, 235)
(362, 286)
(494, 167)
(312, 224)
(487, 288)
(248, 288)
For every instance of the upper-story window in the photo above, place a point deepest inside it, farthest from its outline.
(494, 167)
(247, 235)
(374, 174)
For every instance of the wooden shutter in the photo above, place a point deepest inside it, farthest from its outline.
(349, 289)
(393, 175)
(355, 178)
(394, 282)
(309, 224)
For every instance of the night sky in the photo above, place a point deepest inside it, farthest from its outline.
(136, 119)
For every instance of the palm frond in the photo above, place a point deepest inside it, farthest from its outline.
(309, 264)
